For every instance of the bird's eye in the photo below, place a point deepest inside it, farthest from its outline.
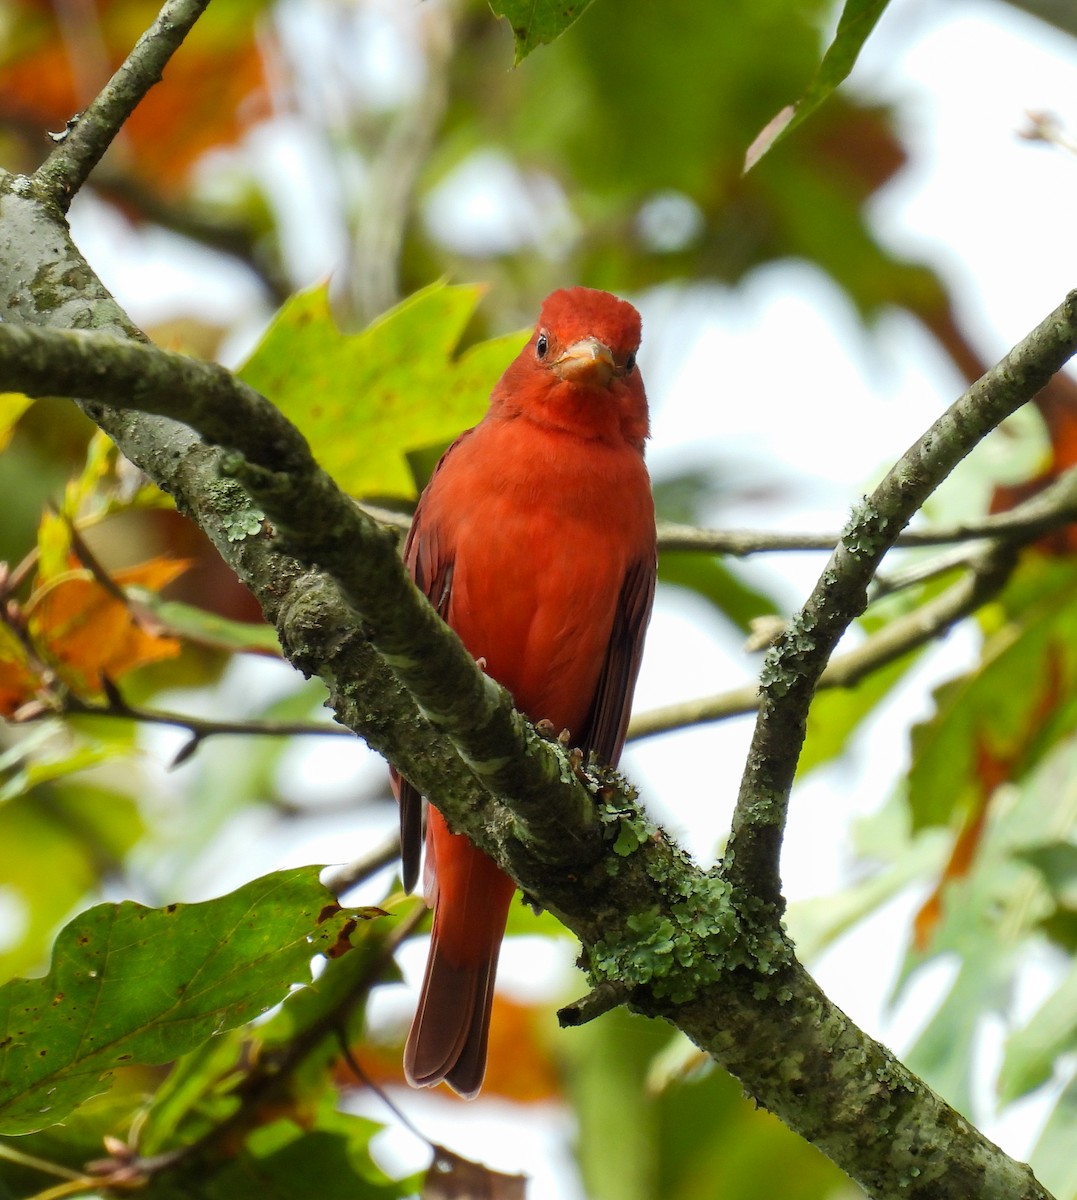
(542, 345)
(630, 362)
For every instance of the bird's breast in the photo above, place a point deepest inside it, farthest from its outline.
(543, 531)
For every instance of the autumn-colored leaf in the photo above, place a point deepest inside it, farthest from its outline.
(520, 1066)
(91, 633)
(212, 90)
(992, 769)
(1057, 403)
(962, 856)
(12, 406)
(454, 1178)
(18, 680)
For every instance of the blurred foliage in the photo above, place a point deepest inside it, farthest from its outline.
(681, 1134)
(617, 149)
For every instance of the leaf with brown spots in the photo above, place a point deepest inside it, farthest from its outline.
(130, 984)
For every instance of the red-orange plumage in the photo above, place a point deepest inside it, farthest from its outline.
(535, 540)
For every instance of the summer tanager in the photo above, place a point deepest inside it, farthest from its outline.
(535, 540)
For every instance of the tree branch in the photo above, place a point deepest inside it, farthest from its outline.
(990, 567)
(89, 134)
(792, 668)
(199, 728)
(1060, 509)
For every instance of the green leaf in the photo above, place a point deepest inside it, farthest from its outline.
(858, 19)
(837, 713)
(1032, 1050)
(198, 1093)
(364, 400)
(130, 984)
(280, 1161)
(537, 22)
(1052, 1158)
(30, 764)
(1057, 863)
(208, 629)
(59, 841)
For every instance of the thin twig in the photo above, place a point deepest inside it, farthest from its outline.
(89, 134)
(341, 878)
(116, 707)
(1056, 505)
(988, 575)
(1061, 509)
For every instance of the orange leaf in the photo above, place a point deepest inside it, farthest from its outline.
(958, 865)
(519, 1065)
(212, 90)
(90, 632)
(18, 681)
(1057, 402)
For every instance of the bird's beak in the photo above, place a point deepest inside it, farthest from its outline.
(586, 361)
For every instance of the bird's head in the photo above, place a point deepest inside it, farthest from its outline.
(578, 370)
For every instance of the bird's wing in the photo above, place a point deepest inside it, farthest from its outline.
(607, 722)
(430, 563)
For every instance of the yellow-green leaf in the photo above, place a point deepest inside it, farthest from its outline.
(12, 406)
(365, 400)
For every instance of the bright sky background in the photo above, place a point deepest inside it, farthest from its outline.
(995, 214)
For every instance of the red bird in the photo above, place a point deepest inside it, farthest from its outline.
(535, 540)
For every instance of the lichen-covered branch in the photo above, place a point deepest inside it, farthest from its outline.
(792, 668)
